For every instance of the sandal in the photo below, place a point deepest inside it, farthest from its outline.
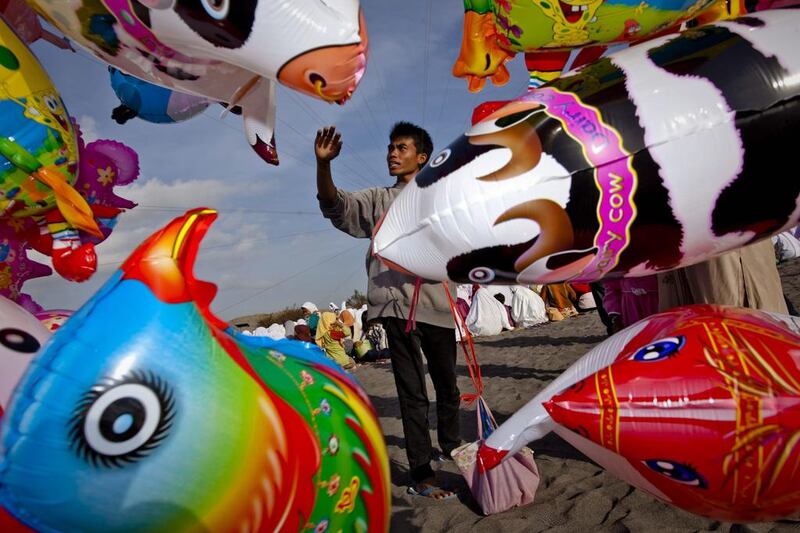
(429, 490)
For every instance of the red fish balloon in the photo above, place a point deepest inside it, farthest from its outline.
(699, 406)
(649, 160)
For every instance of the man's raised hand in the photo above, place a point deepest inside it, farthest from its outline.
(328, 144)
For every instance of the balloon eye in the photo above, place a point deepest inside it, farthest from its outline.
(217, 9)
(659, 350)
(122, 422)
(443, 156)
(51, 102)
(481, 275)
(677, 472)
(17, 340)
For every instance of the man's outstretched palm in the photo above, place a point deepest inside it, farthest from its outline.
(328, 144)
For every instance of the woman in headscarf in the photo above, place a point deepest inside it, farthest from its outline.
(330, 336)
(559, 297)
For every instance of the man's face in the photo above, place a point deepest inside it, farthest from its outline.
(306, 313)
(403, 158)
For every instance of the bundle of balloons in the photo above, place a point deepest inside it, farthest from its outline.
(648, 160)
(558, 35)
(216, 53)
(56, 192)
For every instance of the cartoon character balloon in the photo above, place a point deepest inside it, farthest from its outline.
(724, 380)
(226, 51)
(21, 336)
(152, 103)
(104, 164)
(144, 392)
(39, 160)
(648, 160)
(549, 31)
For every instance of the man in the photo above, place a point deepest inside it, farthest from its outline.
(389, 295)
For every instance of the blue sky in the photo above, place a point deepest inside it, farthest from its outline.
(270, 247)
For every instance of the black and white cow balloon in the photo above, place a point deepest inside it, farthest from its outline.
(229, 51)
(661, 156)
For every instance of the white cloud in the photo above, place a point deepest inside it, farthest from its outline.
(88, 126)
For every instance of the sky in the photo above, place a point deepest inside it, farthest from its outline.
(271, 248)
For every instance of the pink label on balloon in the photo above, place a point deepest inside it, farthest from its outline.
(614, 175)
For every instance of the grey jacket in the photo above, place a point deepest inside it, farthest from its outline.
(389, 293)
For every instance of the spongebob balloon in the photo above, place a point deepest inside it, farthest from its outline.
(39, 161)
(548, 31)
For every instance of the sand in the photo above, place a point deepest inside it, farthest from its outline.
(574, 495)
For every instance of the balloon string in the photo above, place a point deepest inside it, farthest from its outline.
(468, 347)
(411, 323)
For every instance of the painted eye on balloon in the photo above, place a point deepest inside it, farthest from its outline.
(217, 9)
(481, 275)
(443, 156)
(121, 422)
(17, 340)
(659, 350)
(677, 472)
(52, 103)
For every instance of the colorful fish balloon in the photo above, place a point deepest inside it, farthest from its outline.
(21, 337)
(556, 35)
(698, 406)
(658, 157)
(227, 51)
(145, 412)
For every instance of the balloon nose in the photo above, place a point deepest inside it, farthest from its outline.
(330, 73)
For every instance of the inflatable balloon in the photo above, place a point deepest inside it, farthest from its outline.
(21, 336)
(39, 161)
(724, 380)
(152, 103)
(26, 24)
(226, 51)
(104, 164)
(53, 319)
(144, 392)
(16, 267)
(646, 161)
(549, 32)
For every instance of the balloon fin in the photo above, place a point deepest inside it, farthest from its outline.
(258, 106)
(72, 205)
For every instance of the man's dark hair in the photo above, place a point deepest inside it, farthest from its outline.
(422, 140)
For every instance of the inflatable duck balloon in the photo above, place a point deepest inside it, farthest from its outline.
(227, 51)
(143, 392)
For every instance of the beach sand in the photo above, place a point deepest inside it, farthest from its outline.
(574, 494)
